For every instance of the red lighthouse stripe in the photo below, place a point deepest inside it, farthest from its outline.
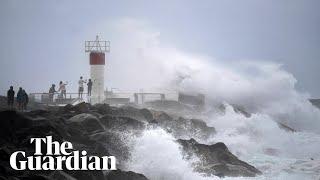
(97, 58)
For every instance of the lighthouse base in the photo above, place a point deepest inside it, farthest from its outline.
(97, 78)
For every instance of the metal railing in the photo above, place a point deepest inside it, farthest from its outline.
(58, 98)
(114, 97)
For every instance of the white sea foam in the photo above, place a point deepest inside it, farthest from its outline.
(263, 88)
(157, 156)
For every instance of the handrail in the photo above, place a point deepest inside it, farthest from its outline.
(56, 93)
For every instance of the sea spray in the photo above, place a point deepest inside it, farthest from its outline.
(260, 141)
(263, 88)
(158, 156)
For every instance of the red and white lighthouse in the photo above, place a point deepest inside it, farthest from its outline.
(97, 50)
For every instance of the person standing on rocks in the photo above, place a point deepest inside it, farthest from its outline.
(62, 89)
(25, 99)
(89, 84)
(20, 98)
(81, 82)
(10, 97)
(52, 90)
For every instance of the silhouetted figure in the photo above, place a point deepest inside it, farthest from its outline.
(10, 97)
(25, 99)
(52, 90)
(20, 98)
(89, 84)
(81, 82)
(62, 89)
(136, 98)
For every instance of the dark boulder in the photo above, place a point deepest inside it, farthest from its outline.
(79, 108)
(61, 176)
(87, 175)
(216, 159)
(146, 114)
(12, 121)
(85, 122)
(315, 102)
(286, 127)
(102, 108)
(35, 177)
(115, 143)
(183, 128)
(123, 175)
(121, 123)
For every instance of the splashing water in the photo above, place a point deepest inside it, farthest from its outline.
(259, 141)
(263, 88)
(157, 156)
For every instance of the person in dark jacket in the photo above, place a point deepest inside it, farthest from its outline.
(10, 97)
(25, 100)
(20, 98)
(89, 84)
(52, 90)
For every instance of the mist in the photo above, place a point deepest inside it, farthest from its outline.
(139, 60)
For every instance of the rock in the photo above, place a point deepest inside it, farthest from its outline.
(38, 112)
(4, 154)
(34, 177)
(67, 108)
(241, 110)
(102, 108)
(236, 108)
(184, 128)
(84, 130)
(12, 121)
(171, 107)
(121, 123)
(86, 122)
(200, 128)
(122, 175)
(286, 128)
(87, 175)
(61, 176)
(216, 160)
(3, 172)
(79, 108)
(146, 114)
(315, 102)
(82, 107)
(114, 143)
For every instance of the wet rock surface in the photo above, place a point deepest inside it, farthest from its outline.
(121, 175)
(81, 125)
(216, 160)
(315, 102)
(184, 128)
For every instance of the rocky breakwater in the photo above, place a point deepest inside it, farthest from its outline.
(79, 125)
(102, 130)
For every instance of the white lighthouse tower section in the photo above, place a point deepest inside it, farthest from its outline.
(97, 50)
(97, 78)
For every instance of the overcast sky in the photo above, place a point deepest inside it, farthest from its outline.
(41, 41)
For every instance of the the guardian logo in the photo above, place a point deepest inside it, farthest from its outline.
(59, 156)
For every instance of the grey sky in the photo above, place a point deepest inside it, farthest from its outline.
(41, 40)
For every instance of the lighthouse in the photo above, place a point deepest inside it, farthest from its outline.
(97, 50)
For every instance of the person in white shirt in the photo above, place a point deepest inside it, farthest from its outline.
(62, 89)
(81, 82)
